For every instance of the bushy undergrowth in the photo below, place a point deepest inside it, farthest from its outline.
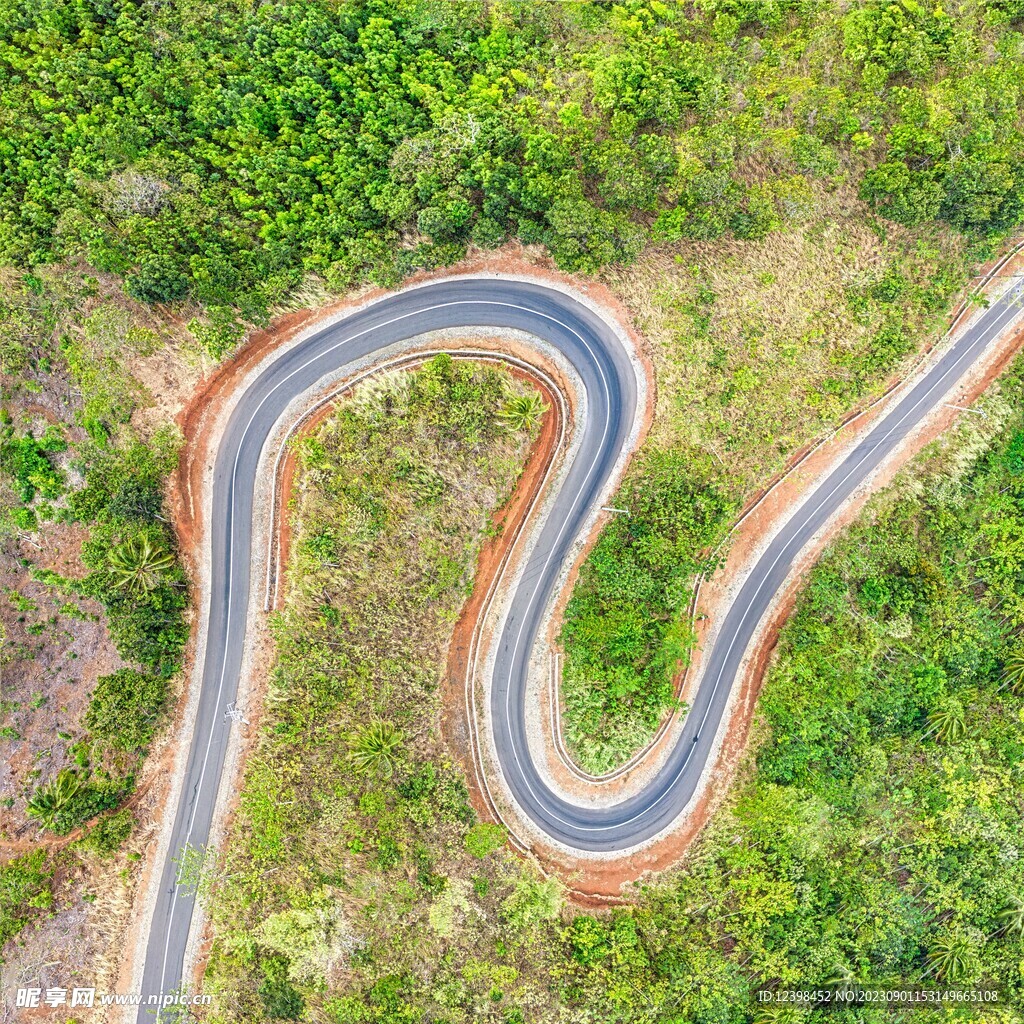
(356, 854)
(626, 632)
(95, 473)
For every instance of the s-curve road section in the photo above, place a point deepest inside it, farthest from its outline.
(607, 373)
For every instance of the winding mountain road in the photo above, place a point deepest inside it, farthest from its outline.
(607, 373)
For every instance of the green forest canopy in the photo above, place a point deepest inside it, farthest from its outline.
(222, 151)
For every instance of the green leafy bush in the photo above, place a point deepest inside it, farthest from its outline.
(26, 460)
(110, 833)
(158, 279)
(125, 707)
(25, 886)
(485, 838)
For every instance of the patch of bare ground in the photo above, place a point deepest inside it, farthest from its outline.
(46, 678)
(54, 650)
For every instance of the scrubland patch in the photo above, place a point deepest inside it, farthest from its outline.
(354, 876)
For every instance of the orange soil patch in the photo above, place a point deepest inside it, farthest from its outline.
(490, 561)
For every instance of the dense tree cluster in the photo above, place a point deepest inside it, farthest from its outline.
(220, 152)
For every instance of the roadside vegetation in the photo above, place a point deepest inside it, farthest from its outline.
(356, 852)
(93, 473)
(92, 596)
(759, 349)
(873, 836)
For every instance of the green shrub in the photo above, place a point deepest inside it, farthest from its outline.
(485, 838)
(125, 707)
(281, 1000)
(24, 887)
(625, 631)
(110, 833)
(158, 279)
(26, 460)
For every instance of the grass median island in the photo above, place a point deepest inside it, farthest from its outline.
(356, 882)
(758, 350)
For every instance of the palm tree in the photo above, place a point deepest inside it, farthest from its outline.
(374, 748)
(137, 565)
(947, 722)
(1012, 918)
(1013, 673)
(948, 958)
(523, 412)
(51, 798)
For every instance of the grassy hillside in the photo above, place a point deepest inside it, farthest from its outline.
(356, 848)
(784, 193)
(873, 837)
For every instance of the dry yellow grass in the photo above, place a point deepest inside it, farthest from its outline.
(782, 350)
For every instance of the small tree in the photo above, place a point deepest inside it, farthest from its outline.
(137, 565)
(1013, 673)
(950, 958)
(1011, 918)
(158, 279)
(947, 722)
(50, 799)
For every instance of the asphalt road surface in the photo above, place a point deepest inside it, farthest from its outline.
(608, 376)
